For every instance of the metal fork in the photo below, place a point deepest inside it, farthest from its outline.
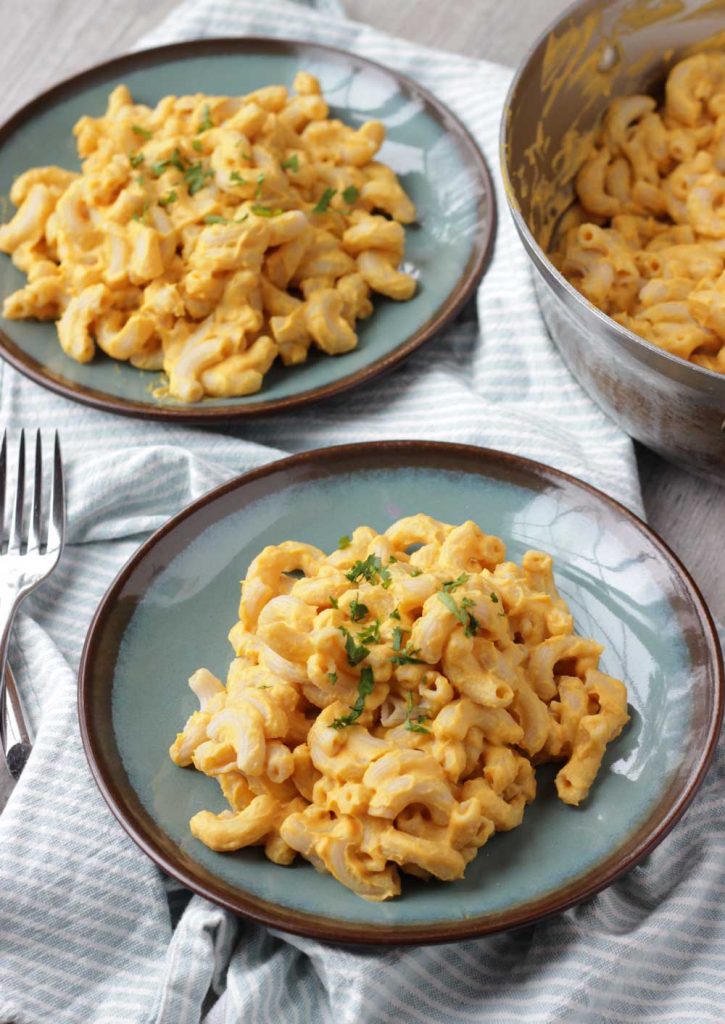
(28, 554)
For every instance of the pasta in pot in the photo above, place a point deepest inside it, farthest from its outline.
(209, 236)
(386, 711)
(646, 241)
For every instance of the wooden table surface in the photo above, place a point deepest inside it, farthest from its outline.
(46, 40)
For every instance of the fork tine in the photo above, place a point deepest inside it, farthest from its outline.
(34, 535)
(3, 474)
(57, 502)
(16, 532)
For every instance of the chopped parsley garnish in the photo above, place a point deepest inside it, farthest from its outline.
(196, 176)
(407, 656)
(355, 653)
(350, 194)
(324, 200)
(206, 121)
(136, 159)
(216, 218)
(494, 598)
(397, 638)
(258, 189)
(415, 571)
(357, 610)
(333, 601)
(364, 689)
(265, 211)
(468, 621)
(452, 585)
(371, 569)
(197, 145)
(143, 133)
(236, 177)
(140, 214)
(139, 179)
(414, 723)
(370, 634)
(293, 164)
(344, 542)
(168, 199)
(332, 676)
(395, 614)
(175, 160)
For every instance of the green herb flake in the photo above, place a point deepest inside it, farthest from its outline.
(344, 542)
(494, 598)
(358, 610)
(332, 676)
(414, 723)
(136, 159)
(355, 653)
(236, 177)
(397, 638)
(142, 133)
(333, 601)
(265, 211)
(258, 189)
(452, 585)
(175, 160)
(415, 571)
(168, 199)
(371, 633)
(197, 145)
(139, 215)
(196, 177)
(206, 121)
(395, 614)
(324, 200)
(139, 179)
(351, 195)
(364, 688)
(468, 621)
(293, 164)
(216, 218)
(407, 656)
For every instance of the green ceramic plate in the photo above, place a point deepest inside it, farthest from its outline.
(434, 155)
(170, 609)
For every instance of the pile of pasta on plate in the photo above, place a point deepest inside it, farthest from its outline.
(646, 241)
(209, 236)
(387, 707)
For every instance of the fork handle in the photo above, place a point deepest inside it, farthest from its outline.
(8, 607)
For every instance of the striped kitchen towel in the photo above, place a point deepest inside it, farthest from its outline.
(90, 931)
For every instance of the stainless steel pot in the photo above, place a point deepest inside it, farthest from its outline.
(594, 52)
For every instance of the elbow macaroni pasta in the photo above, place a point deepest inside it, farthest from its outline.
(385, 711)
(646, 241)
(210, 235)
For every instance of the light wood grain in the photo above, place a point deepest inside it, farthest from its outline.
(45, 40)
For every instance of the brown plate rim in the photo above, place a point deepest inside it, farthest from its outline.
(317, 926)
(201, 413)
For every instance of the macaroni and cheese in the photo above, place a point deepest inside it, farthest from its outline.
(386, 710)
(209, 235)
(646, 242)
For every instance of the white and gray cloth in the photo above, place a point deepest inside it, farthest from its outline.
(90, 930)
